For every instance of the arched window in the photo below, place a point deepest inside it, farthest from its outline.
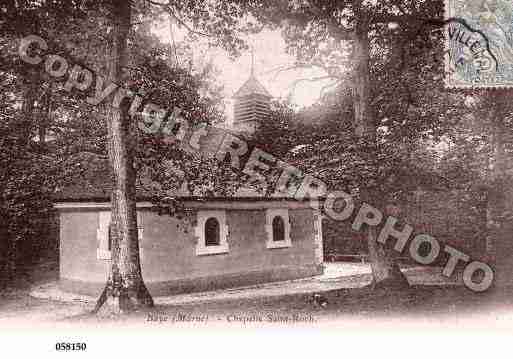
(212, 232)
(278, 229)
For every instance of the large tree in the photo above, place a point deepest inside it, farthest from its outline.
(364, 47)
(29, 168)
(95, 36)
(125, 283)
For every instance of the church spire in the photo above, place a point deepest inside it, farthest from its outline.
(252, 61)
(252, 86)
(252, 102)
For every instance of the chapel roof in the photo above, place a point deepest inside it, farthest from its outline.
(251, 87)
(90, 180)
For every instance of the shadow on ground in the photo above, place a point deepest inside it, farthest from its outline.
(434, 303)
(424, 303)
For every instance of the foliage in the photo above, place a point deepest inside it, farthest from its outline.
(53, 139)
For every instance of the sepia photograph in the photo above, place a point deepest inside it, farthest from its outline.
(256, 177)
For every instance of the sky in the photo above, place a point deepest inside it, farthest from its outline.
(270, 55)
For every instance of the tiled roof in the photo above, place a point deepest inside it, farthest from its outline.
(251, 87)
(91, 181)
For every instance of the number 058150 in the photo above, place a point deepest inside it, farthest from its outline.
(70, 346)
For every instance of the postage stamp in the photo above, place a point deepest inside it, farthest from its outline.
(479, 44)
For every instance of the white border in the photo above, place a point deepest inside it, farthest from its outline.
(201, 248)
(269, 216)
(102, 236)
(318, 243)
(207, 204)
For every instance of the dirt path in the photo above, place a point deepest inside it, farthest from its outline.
(336, 276)
(47, 303)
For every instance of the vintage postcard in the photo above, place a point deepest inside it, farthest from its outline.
(256, 178)
(479, 43)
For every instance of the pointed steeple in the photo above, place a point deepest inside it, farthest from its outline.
(252, 102)
(252, 86)
(252, 61)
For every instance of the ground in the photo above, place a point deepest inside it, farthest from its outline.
(345, 297)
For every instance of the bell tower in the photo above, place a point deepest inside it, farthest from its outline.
(252, 103)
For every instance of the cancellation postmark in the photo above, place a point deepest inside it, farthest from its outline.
(479, 44)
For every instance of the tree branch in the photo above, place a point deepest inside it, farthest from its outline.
(326, 87)
(281, 69)
(167, 7)
(333, 26)
(313, 79)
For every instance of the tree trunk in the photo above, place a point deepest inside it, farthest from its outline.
(44, 119)
(11, 267)
(385, 270)
(30, 91)
(4, 251)
(498, 240)
(125, 289)
(496, 201)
